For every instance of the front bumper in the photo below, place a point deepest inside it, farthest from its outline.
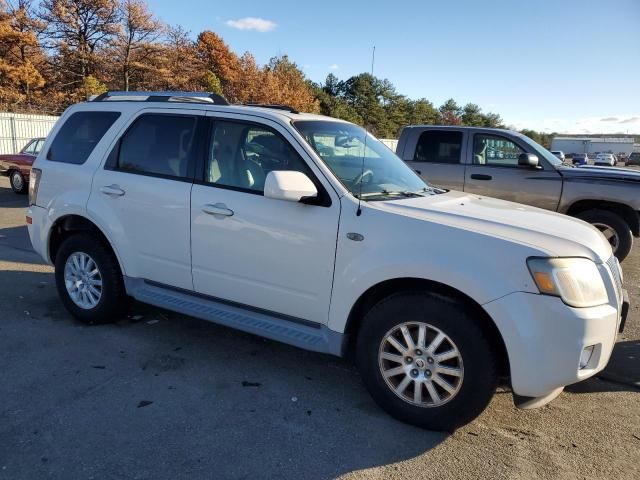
(545, 339)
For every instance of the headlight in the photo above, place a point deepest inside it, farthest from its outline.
(576, 280)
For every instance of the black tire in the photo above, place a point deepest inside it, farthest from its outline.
(18, 183)
(113, 300)
(617, 223)
(480, 376)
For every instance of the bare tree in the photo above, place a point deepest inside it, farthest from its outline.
(137, 41)
(76, 30)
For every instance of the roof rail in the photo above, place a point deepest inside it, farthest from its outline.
(276, 106)
(118, 96)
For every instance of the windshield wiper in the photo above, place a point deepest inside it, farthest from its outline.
(387, 193)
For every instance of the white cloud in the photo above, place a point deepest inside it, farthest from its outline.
(333, 66)
(252, 23)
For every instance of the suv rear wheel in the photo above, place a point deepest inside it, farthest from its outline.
(18, 183)
(89, 281)
(613, 227)
(426, 361)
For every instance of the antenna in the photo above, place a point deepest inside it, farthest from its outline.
(364, 150)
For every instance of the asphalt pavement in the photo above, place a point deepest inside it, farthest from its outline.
(160, 395)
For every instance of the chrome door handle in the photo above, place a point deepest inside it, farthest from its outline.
(112, 190)
(217, 209)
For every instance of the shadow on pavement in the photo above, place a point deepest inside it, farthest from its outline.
(16, 239)
(161, 395)
(9, 199)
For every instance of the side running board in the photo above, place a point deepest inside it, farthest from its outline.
(299, 333)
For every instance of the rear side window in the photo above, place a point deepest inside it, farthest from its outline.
(79, 135)
(438, 146)
(159, 144)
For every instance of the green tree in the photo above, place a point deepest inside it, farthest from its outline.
(212, 82)
(472, 115)
(451, 113)
(422, 112)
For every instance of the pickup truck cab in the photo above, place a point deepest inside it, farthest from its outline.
(508, 165)
(307, 230)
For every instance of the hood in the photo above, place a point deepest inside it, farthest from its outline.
(588, 172)
(556, 234)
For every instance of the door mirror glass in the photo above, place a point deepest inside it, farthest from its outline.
(528, 160)
(289, 185)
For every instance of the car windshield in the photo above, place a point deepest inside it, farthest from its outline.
(363, 164)
(550, 157)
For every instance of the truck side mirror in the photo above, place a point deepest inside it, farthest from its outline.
(528, 160)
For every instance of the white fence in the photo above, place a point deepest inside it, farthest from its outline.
(392, 143)
(17, 129)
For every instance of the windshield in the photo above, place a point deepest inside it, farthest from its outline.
(379, 175)
(550, 157)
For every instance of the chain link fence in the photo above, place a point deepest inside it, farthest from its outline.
(17, 129)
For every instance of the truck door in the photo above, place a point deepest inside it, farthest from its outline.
(436, 154)
(494, 172)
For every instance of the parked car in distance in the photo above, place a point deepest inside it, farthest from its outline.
(18, 166)
(559, 154)
(307, 230)
(607, 159)
(455, 158)
(633, 159)
(581, 159)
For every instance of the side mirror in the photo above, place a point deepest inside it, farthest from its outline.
(528, 160)
(289, 185)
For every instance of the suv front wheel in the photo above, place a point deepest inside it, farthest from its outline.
(426, 361)
(88, 280)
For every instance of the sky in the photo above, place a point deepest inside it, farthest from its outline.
(570, 66)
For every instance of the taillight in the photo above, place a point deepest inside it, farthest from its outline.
(34, 183)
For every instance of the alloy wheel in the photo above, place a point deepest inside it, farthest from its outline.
(421, 364)
(83, 280)
(610, 234)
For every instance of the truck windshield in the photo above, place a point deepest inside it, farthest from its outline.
(372, 171)
(540, 150)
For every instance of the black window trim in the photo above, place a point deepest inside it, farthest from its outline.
(33, 142)
(449, 130)
(47, 156)
(322, 200)
(512, 140)
(111, 162)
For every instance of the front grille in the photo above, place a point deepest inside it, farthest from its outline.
(614, 267)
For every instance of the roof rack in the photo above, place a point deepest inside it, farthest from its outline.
(196, 97)
(276, 106)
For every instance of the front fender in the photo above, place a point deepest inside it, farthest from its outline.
(481, 266)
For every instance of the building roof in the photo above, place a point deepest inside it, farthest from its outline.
(598, 139)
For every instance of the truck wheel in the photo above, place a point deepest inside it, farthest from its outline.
(89, 281)
(18, 183)
(613, 227)
(426, 361)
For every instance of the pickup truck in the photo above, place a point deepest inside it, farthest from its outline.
(508, 165)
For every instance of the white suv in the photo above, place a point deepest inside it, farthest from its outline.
(306, 230)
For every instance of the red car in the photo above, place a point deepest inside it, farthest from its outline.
(18, 166)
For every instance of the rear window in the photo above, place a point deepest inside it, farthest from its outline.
(79, 135)
(438, 146)
(159, 144)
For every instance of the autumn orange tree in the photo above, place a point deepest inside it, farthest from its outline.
(21, 58)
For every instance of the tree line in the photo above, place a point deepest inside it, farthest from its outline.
(54, 53)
